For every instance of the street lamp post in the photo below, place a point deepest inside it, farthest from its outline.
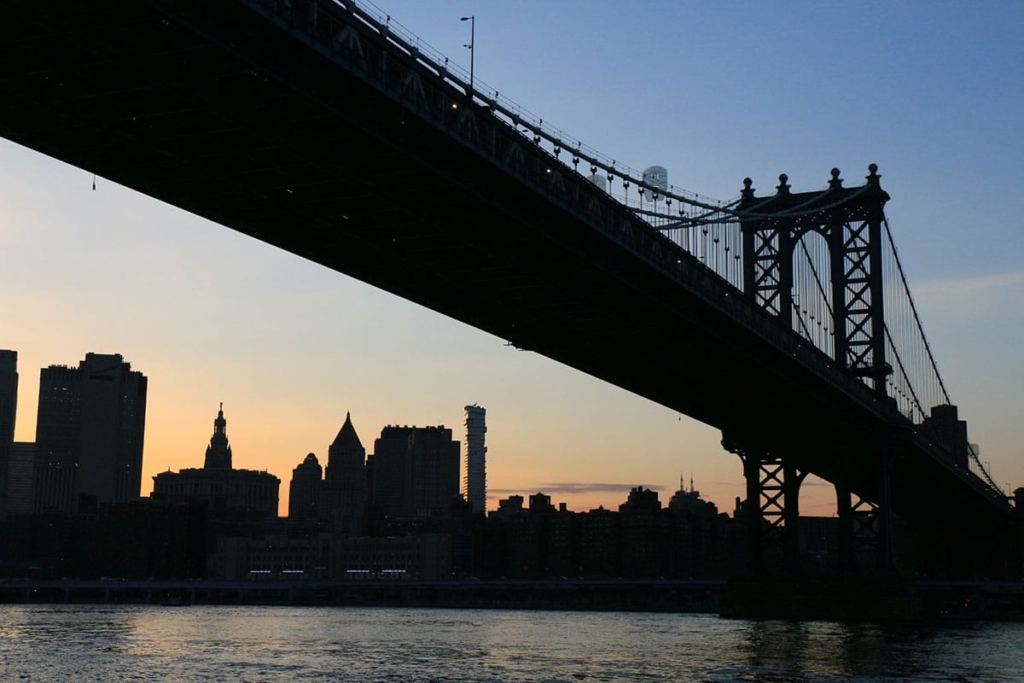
(472, 39)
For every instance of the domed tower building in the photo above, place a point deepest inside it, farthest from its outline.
(229, 493)
(345, 480)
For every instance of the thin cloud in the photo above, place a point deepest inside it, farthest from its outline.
(575, 488)
(976, 293)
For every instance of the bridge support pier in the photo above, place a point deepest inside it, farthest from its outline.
(866, 525)
(771, 512)
(886, 563)
(847, 547)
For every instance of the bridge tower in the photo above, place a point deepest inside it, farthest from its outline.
(849, 221)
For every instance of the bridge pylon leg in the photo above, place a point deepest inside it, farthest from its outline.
(771, 512)
(847, 548)
(865, 526)
(792, 479)
(886, 563)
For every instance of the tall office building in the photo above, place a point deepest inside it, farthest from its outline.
(415, 472)
(475, 482)
(345, 476)
(21, 479)
(8, 412)
(305, 492)
(89, 434)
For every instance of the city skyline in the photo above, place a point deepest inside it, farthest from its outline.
(223, 457)
(931, 95)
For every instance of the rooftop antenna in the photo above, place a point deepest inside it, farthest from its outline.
(93, 182)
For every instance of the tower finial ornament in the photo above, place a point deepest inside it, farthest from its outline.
(218, 453)
(836, 182)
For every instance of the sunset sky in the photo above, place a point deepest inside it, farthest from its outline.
(931, 92)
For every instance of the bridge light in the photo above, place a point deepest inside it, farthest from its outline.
(472, 44)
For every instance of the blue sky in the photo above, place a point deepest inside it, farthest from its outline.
(931, 92)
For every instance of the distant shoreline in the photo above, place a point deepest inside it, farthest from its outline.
(591, 595)
(766, 598)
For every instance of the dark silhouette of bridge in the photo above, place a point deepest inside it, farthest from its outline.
(316, 126)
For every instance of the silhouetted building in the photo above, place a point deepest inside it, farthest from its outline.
(509, 506)
(272, 552)
(146, 539)
(599, 544)
(21, 478)
(702, 540)
(647, 536)
(345, 479)
(425, 557)
(89, 434)
(475, 484)
(949, 431)
(8, 413)
(536, 542)
(305, 492)
(415, 472)
(230, 493)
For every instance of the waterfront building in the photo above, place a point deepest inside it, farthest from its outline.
(647, 536)
(599, 543)
(415, 472)
(702, 534)
(8, 413)
(475, 483)
(229, 493)
(272, 553)
(89, 434)
(422, 557)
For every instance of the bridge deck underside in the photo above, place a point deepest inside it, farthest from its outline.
(228, 117)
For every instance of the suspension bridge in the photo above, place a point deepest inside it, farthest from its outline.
(323, 127)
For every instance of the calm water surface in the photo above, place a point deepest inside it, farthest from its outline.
(255, 644)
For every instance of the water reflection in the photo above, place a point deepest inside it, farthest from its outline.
(84, 643)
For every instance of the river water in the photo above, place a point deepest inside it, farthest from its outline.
(80, 643)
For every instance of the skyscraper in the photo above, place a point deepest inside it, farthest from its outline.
(21, 479)
(8, 412)
(345, 476)
(415, 472)
(305, 492)
(475, 482)
(89, 434)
